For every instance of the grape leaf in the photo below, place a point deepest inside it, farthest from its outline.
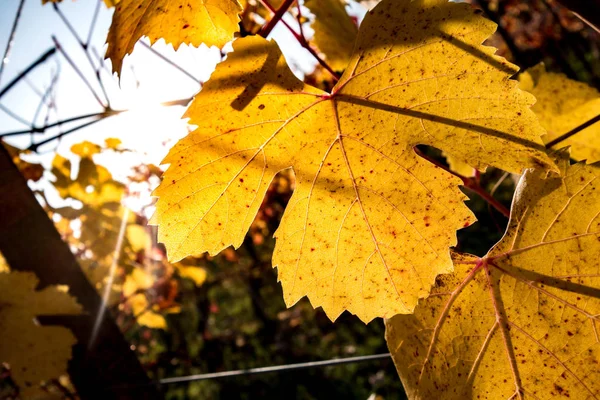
(35, 353)
(86, 149)
(369, 224)
(335, 32)
(212, 22)
(113, 143)
(563, 104)
(459, 166)
(135, 284)
(522, 321)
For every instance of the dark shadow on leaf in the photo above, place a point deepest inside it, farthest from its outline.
(439, 119)
(257, 80)
(402, 28)
(499, 64)
(559, 283)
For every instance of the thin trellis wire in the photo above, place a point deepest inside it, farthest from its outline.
(261, 370)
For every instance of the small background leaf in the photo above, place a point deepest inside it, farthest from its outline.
(35, 353)
(562, 105)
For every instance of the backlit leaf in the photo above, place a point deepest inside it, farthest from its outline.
(196, 274)
(335, 32)
(35, 353)
(85, 149)
(212, 22)
(112, 143)
(94, 185)
(138, 238)
(144, 314)
(134, 287)
(563, 104)
(458, 166)
(522, 322)
(369, 224)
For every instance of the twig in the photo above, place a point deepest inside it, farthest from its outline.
(44, 98)
(494, 188)
(469, 183)
(573, 132)
(171, 63)
(585, 21)
(27, 70)
(586, 10)
(303, 42)
(13, 115)
(268, 27)
(64, 121)
(299, 19)
(35, 146)
(66, 22)
(93, 24)
(11, 38)
(84, 46)
(78, 71)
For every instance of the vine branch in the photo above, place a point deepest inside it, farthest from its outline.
(27, 70)
(11, 37)
(301, 40)
(573, 132)
(469, 183)
(279, 13)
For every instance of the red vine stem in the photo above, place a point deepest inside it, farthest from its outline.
(474, 187)
(279, 13)
(264, 32)
(469, 183)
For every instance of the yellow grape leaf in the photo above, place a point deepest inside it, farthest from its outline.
(212, 22)
(113, 143)
(563, 104)
(136, 282)
(138, 237)
(85, 149)
(144, 314)
(94, 185)
(524, 320)
(196, 274)
(369, 224)
(458, 166)
(335, 32)
(35, 353)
